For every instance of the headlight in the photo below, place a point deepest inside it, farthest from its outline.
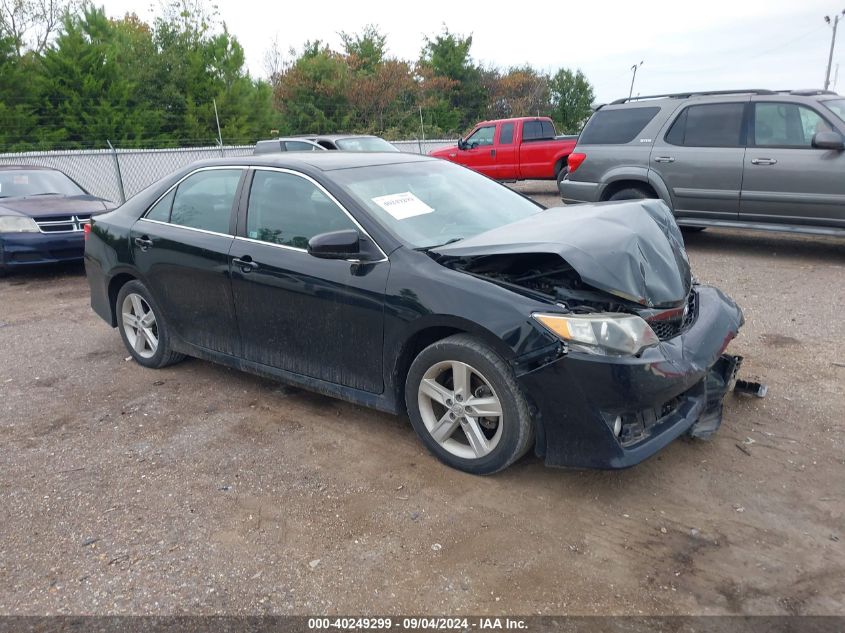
(608, 333)
(17, 224)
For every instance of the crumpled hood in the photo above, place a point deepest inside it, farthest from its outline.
(41, 206)
(632, 249)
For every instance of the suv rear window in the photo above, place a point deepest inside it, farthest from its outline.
(615, 127)
(708, 125)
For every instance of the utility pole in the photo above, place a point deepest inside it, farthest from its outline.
(835, 23)
(633, 79)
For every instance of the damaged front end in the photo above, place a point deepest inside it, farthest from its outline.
(641, 358)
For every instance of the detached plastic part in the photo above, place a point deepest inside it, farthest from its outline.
(747, 388)
(718, 382)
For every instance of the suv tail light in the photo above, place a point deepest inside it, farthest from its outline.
(574, 161)
(86, 229)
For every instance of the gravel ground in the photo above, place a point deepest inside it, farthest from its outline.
(198, 489)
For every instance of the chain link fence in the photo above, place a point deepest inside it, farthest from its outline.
(117, 174)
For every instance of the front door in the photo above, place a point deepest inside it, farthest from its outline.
(786, 179)
(699, 157)
(480, 153)
(314, 317)
(181, 248)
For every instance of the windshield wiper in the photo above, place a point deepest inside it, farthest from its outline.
(46, 193)
(450, 241)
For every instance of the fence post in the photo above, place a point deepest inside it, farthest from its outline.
(117, 172)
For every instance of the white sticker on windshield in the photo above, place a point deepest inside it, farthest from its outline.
(403, 205)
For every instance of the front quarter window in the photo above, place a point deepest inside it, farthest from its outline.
(837, 106)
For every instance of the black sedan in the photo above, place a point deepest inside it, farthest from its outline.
(409, 284)
(43, 214)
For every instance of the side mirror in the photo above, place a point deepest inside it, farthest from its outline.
(828, 140)
(335, 245)
(462, 144)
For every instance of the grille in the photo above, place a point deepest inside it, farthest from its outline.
(63, 223)
(671, 328)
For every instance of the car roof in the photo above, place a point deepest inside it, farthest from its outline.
(514, 120)
(39, 167)
(335, 137)
(811, 93)
(324, 161)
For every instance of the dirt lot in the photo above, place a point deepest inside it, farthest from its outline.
(197, 489)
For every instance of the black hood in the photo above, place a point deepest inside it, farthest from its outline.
(42, 206)
(632, 249)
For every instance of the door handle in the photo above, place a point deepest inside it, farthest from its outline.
(664, 159)
(143, 242)
(246, 263)
(493, 153)
(764, 161)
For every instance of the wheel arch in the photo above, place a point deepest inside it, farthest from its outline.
(430, 330)
(115, 284)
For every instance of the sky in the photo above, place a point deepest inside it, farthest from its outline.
(720, 44)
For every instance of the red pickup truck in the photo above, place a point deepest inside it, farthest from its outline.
(526, 148)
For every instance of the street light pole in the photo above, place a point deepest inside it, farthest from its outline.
(832, 45)
(634, 78)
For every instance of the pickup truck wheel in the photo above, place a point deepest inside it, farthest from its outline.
(467, 407)
(632, 193)
(561, 174)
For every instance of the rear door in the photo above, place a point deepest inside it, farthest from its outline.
(786, 179)
(535, 155)
(314, 317)
(699, 156)
(181, 248)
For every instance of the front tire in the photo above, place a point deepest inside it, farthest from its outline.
(142, 328)
(464, 403)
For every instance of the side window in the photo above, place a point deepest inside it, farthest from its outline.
(506, 134)
(708, 125)
(531, 130)
(160, 211)
(299, 146)
(204, 200)
(617, 126)
(290, 210)
(548, 129)
(482, 136)
(786, 125)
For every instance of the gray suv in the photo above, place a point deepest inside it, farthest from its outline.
(755, 158)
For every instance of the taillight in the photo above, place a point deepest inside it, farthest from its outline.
(86, 229)
(574, 161)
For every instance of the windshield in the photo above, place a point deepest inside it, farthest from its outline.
(16, 183)
(837, 106)
(365, 144)
(430, 203)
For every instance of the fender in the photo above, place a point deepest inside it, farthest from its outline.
(637, 174)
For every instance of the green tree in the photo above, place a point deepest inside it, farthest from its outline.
(365, 51)
(447, 55)
(572, 99)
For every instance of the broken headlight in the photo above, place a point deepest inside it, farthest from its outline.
(609, 333)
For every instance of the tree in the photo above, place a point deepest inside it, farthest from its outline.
(447, 55)
(521, 91)
(30, 24)
(365, 51)
(572, 99)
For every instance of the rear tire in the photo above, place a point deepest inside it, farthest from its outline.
(632, 193)
(449, 384)
(142, 327)
(561, 174)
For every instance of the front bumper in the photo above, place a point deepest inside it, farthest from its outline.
(671, 389)
(27, 249)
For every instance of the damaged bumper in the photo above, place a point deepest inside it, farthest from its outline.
(614, 412)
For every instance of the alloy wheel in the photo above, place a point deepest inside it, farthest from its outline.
(460, 409)
(139, 324)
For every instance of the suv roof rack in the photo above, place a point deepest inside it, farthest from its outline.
(701, 93)
(810, 92)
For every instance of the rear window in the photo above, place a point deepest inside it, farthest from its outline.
(709, 125)
(616, 127)
(535, 130)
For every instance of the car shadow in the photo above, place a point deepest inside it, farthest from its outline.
(765, 244)
(43, 272)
